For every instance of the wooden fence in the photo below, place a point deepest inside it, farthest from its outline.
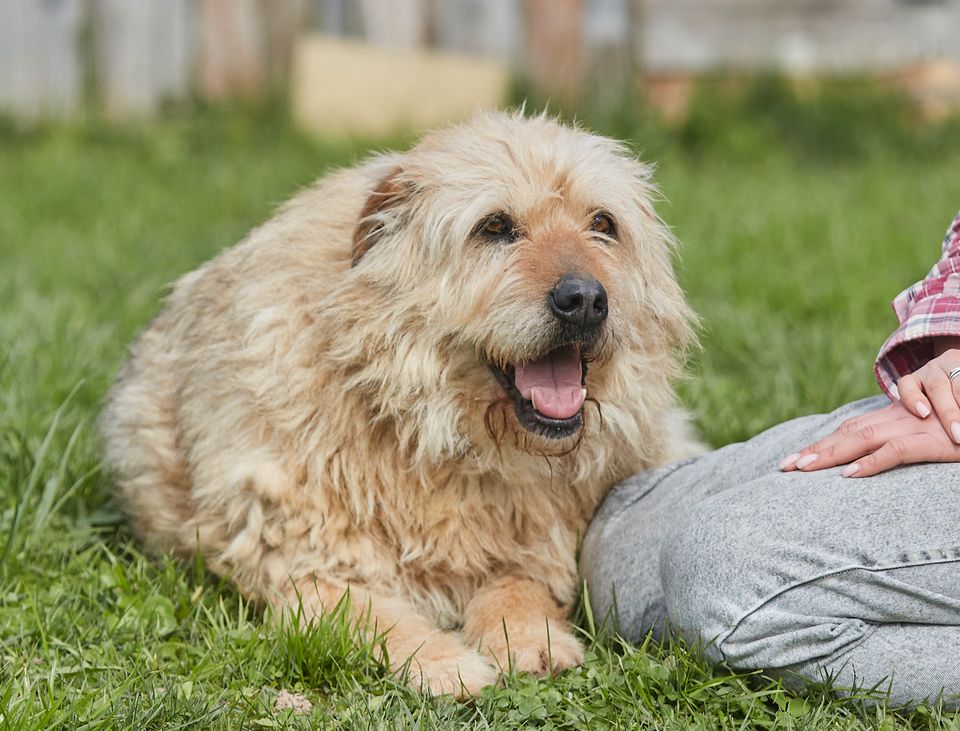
(129, 56)
(126, 57)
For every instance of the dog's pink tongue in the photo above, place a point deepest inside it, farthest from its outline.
(553, 383)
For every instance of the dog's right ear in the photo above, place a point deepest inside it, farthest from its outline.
(375, 216)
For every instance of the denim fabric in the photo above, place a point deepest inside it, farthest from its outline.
(809, 575)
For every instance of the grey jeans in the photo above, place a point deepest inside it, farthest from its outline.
(811, 576)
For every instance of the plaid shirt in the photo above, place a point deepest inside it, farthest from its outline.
(928, 309)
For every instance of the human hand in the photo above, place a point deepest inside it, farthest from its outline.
(900, 433)
(876, 442)
(931, 387)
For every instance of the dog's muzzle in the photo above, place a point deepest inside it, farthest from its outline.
(549, 391)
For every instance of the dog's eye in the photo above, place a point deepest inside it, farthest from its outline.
(498, 227)
(603, 224)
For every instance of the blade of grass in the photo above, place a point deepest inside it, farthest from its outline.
(36, 471)
(53, 484)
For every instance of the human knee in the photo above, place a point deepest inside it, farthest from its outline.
(703, 562)
(618, 567)
(740, 592)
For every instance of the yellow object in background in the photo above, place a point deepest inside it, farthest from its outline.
(351, 88)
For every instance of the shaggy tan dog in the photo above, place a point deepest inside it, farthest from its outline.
(382, 389)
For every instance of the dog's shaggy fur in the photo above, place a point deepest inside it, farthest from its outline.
(317, 408)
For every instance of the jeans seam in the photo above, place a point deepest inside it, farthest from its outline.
(724, 636)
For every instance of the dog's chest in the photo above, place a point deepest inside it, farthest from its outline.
(454, 540)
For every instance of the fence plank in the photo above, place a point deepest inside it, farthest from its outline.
(554, 53)
(611, 63)
(399, 24)
(41, 66)
(282, 22)
(143, 51)
(232, 49)
(483, 27)
(246, 46)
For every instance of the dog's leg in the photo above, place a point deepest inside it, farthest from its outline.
(435, 660)
(518, 623)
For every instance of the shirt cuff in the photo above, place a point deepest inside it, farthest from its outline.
(911, 346)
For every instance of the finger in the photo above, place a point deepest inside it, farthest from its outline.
(955, 387)
(940, 391)
(909, 388)
(865, 440)
(898, 451)
(844, 431)
(847, 428)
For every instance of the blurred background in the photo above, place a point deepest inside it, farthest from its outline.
(371, 66)
(808, 153)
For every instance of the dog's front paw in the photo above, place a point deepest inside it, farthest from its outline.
(459, 673)
(532, 651)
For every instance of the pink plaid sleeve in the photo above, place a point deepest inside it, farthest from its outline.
(928, 309)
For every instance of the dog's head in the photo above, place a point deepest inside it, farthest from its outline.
(533, 274)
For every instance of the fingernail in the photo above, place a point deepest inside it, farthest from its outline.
(955, 431)
(850, 470)
(788, 461)
(922, 409)
(804, 461)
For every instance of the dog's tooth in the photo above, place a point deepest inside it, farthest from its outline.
(583, 394)
(533, 398)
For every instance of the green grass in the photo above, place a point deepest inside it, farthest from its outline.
(798, 228)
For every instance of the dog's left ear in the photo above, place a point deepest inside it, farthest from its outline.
(375, 216)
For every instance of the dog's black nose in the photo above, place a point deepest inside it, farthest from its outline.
(579, 300)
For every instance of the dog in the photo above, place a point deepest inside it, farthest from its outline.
(412, 387)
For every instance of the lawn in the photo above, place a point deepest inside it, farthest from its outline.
(798, 227)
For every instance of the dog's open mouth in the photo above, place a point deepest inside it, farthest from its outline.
(548, 392)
